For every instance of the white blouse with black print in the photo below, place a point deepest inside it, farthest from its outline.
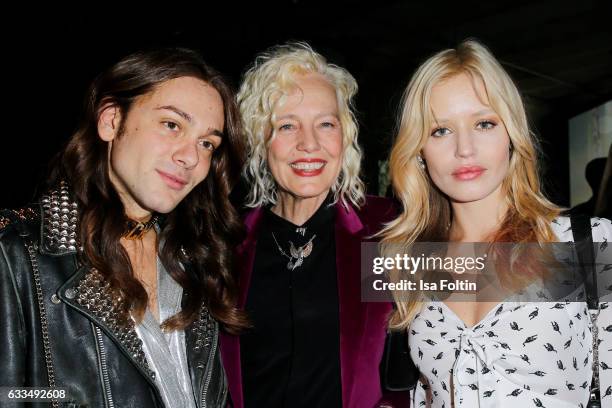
(519, 355)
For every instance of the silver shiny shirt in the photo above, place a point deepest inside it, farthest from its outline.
(165, 352)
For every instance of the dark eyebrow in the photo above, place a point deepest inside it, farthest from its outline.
(216, 132)
(179, 112)
(188, 118)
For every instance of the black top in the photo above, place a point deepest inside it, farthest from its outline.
(291, 357)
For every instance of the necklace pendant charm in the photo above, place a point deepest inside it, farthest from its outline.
(297, 255)
(293, 251)
(298, 262)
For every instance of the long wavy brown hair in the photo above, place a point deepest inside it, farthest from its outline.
(199, 233)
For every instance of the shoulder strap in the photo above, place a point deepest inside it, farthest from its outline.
(583, 239)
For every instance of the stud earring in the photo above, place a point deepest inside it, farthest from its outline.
(421, 162)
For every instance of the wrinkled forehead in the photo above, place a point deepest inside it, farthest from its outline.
(296, 83)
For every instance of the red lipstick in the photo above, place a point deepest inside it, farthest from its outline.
(308, 167)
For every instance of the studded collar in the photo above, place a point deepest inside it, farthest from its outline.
(59, 222)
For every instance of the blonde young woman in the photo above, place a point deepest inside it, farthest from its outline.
(464, 166)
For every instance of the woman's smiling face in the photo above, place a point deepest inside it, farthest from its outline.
(305, 155)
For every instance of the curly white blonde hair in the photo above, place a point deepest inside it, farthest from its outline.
(265, 85)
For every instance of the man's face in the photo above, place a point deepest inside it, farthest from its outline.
(166, 146)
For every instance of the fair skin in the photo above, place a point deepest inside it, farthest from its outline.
(165, 150)
(305, 155)
(467, 156)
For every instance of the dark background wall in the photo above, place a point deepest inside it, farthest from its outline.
(559, 53)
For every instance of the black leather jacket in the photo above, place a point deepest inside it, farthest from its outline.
(59, 328)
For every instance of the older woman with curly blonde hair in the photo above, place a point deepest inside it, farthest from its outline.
(313, 343)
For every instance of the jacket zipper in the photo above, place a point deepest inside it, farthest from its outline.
(104, 368)
(213, 350)
(44, 326)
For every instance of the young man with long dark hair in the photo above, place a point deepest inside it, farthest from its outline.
(114, 286)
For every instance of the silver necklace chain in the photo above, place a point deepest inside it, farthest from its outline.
(297, 255)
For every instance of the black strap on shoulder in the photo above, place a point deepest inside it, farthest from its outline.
(583, 239)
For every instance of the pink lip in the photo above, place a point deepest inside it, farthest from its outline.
(174, 182)
(468, 172)
(308, 173)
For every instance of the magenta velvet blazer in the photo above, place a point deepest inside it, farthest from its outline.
(362, 325)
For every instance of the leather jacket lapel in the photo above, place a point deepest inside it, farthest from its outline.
(201, 345)
(89, 293)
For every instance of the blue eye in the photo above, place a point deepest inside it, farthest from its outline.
(439, 132)
(486, 124)
(286, 126)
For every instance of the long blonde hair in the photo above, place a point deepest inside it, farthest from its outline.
(426, 211)
(264, 87)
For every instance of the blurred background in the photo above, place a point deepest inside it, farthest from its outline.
(559, 54)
